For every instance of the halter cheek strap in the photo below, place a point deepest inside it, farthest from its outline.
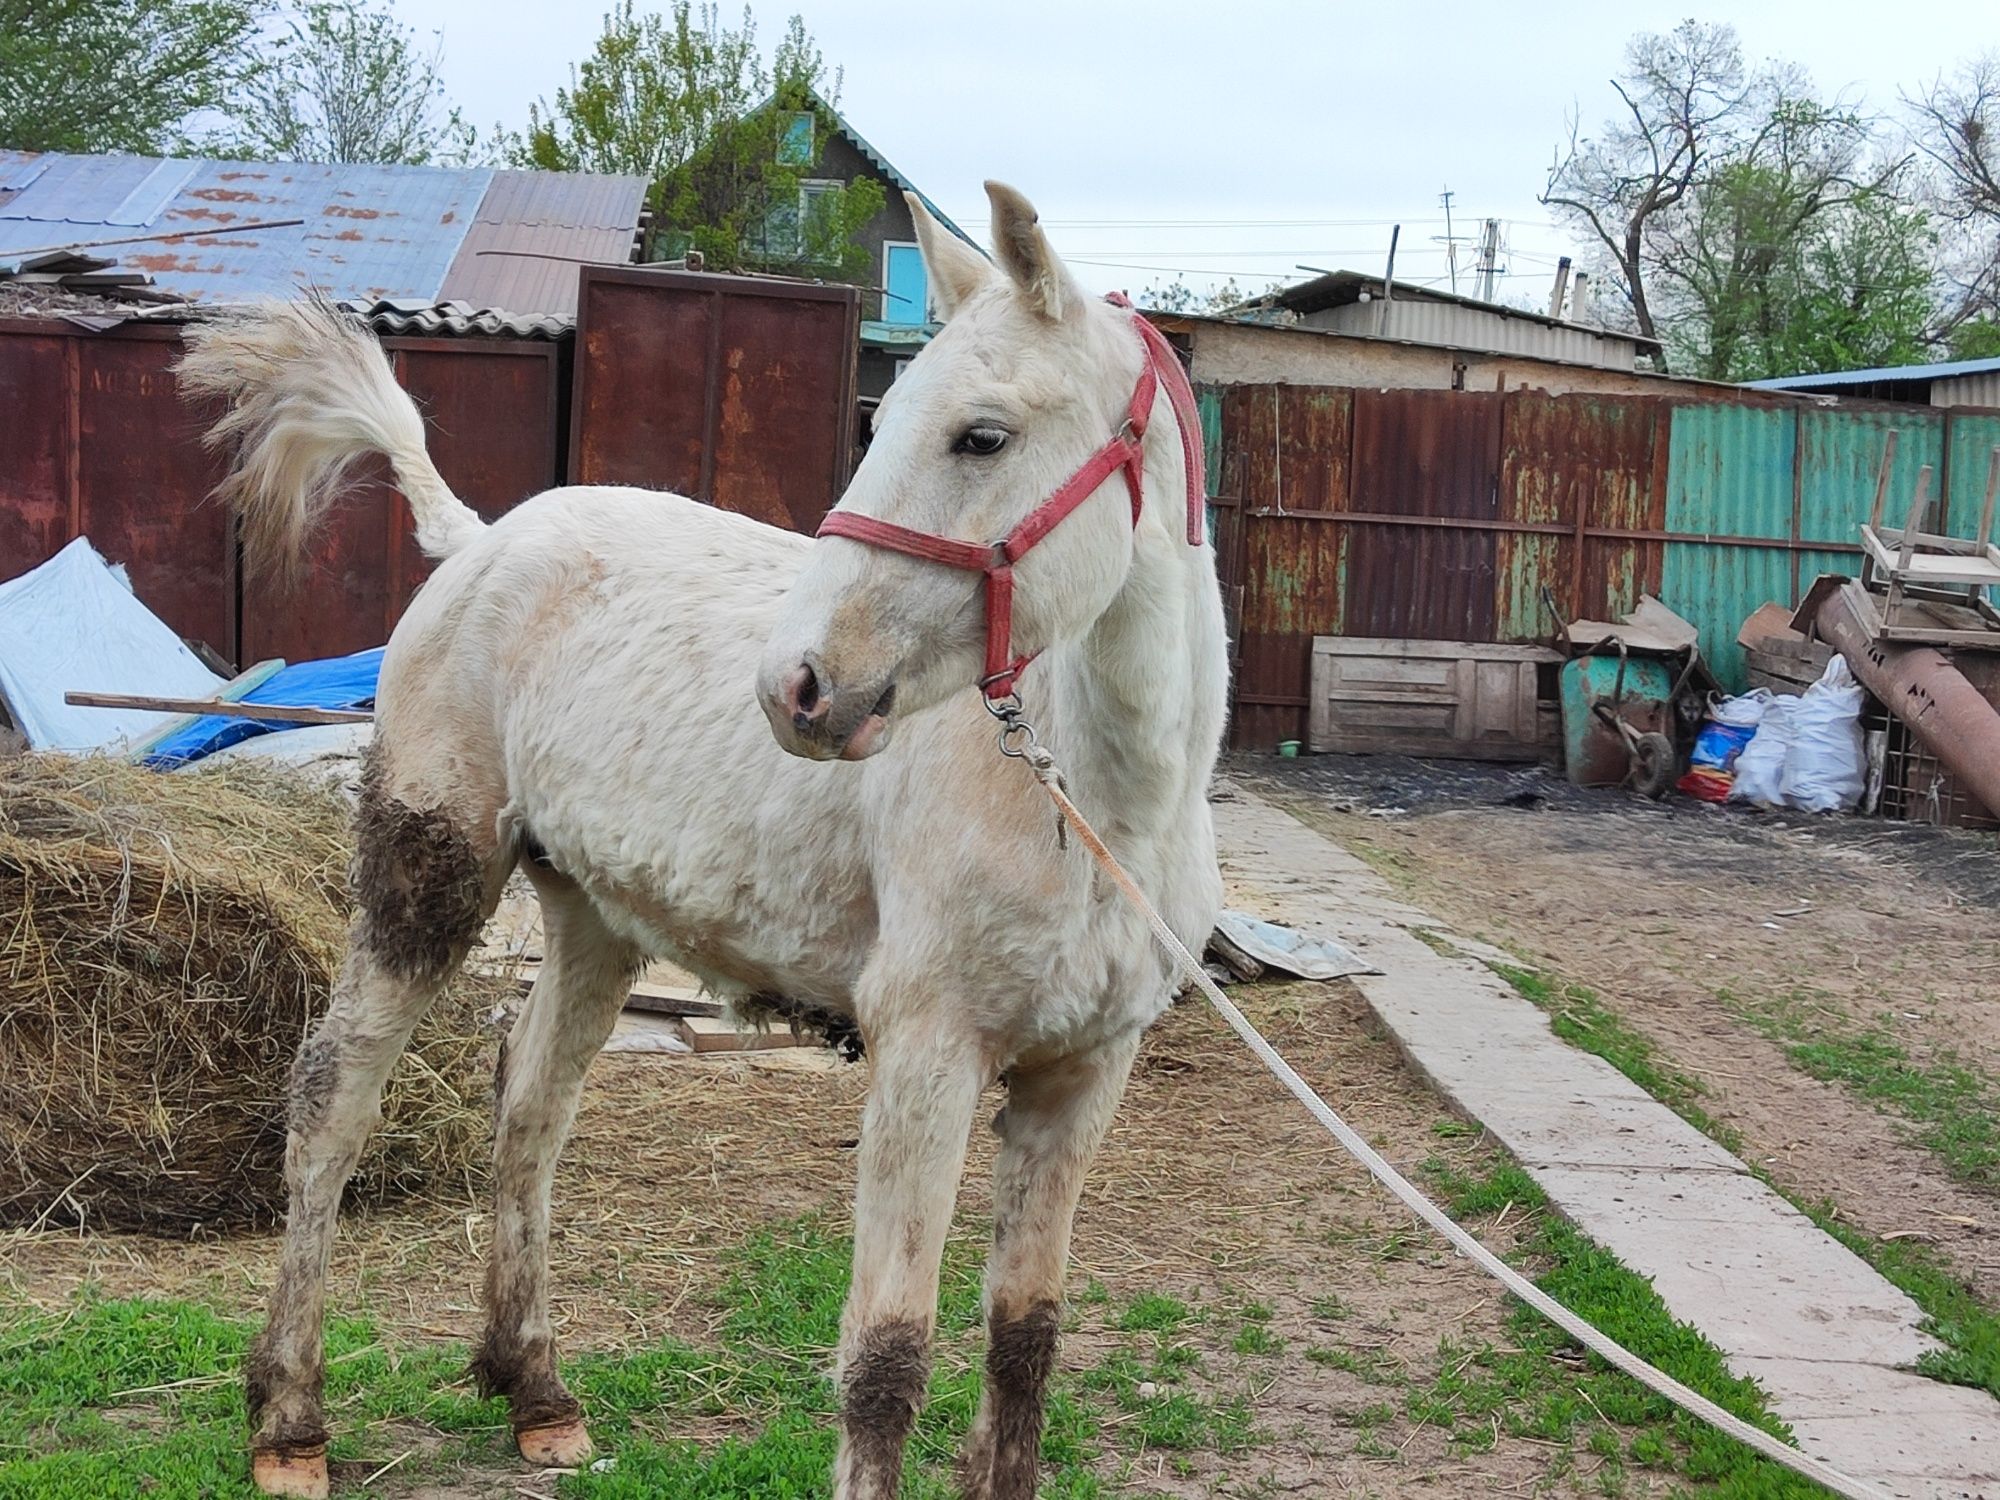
(1123, 452)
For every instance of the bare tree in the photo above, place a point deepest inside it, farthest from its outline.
(1955, 123)
(1684, 95)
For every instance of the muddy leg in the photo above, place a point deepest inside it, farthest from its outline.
(574, 1004)
(421, 893)
(336, 1094)
(921, 1101)
(1055, 1120)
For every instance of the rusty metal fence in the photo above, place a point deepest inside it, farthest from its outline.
(1444, 515)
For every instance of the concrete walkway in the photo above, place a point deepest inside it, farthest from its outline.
(1827, 1337)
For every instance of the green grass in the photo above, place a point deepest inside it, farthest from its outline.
(124, 1399)
(1540, 1387)
(1954, 1109)
(1953, 1314)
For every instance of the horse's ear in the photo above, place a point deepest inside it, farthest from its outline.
(956, 269)
(1024, 252)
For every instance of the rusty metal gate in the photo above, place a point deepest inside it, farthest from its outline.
(736, 390)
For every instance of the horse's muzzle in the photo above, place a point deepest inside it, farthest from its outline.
(814, 717)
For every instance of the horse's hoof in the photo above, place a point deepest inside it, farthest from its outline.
(558, 1445)
(296, 1472)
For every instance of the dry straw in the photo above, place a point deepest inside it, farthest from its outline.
(165, 940)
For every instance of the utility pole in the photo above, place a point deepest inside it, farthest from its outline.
(1489, 255)
(1388, 282)
(1450, 240)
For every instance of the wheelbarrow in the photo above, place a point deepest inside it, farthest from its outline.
(1622, 711)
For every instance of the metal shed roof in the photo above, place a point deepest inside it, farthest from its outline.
(1888, 374)
(1341, 288)
(363, 232)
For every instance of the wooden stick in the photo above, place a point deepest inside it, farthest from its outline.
(1985, 536)
(1882, 480)
(231, 691)
(1910, 527)
(204, 707)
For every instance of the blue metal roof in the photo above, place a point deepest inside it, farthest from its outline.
(366, 232)
(1949, 370)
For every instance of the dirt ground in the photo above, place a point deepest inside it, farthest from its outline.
(1685, 918)
(1215, 1188)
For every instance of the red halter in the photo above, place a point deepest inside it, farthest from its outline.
(996, 562)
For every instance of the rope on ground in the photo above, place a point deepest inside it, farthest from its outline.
(1608, 1349)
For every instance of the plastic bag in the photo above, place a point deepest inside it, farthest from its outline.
(1826, 768)
(1729, 727)
(1760, 768)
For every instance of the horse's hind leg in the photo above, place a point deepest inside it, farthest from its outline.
(582, 985)
(422, 888)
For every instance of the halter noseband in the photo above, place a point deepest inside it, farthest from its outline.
(996, 562)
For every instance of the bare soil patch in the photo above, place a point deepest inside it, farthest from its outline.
(1685, 918)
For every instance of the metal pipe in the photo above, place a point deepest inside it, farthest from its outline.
(1561, 286)
(1925, 691)
(1388, 282)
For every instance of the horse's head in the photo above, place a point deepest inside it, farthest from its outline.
(1027, 380)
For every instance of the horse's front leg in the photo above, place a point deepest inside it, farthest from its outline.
(1056, 1118)
(921, 1099)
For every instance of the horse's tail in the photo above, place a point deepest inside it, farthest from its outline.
(309, 391)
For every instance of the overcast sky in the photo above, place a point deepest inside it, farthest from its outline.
(1241, 137)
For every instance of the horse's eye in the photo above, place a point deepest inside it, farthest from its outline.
(982, 442)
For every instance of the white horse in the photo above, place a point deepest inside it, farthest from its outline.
(573, 691)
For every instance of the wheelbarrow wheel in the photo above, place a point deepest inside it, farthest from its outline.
(1653, 765)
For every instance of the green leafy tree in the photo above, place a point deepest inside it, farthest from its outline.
(118, 75)
(727, 141)
(340, 82)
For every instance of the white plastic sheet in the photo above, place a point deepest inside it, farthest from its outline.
(71, 626)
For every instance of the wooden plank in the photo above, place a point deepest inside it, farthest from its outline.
(654, 999)
(231, 691)
(1364, 645)
(706, 1034)
(277, 713)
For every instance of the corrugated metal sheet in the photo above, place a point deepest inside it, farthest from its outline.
(1968, 390)
(532, 232)
(1418, 456)
(1577, 462)
(506, 240)
(1422, 321)
(413, 318)
(1972, 438)
(1729, 473)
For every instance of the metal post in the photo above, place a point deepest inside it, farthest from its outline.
(1388, 282)
(1562, 285)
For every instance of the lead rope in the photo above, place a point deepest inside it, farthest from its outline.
(1043, 765)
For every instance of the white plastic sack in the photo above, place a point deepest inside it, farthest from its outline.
(1826, 769)
(1746, 712)
(1760, 769)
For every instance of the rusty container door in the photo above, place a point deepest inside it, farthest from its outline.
(490, 413)
(735, 390)
(1423, 500)
(34, 446)
(1283, 474)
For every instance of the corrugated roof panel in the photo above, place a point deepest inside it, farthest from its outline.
(20, 168)
(152, 193)
(80, 189)
(532, 232)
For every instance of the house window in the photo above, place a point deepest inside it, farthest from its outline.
(795, 139)
(905, 293)
(802, 228)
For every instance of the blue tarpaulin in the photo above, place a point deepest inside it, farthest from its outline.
(337, 682)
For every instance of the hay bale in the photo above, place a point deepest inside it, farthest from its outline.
(164, 943)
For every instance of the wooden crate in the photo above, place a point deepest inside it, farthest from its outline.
(1460, 700)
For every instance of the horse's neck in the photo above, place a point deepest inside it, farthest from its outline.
(1136, 705)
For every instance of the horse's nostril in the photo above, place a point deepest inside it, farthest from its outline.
(886, 702)
(806, 694)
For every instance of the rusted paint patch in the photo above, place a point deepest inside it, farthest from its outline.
(226, 195)
(341, 211)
